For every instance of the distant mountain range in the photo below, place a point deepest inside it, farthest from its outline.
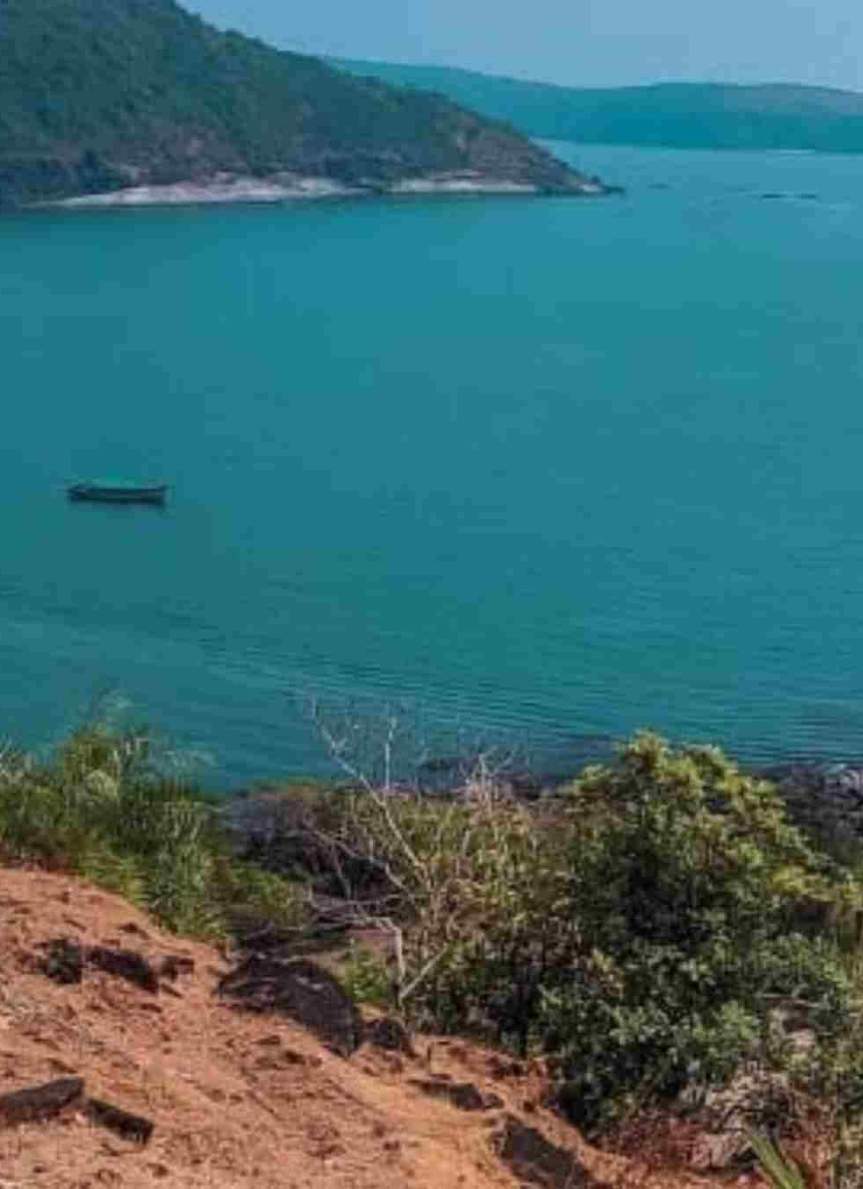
(682, 115)
(103, 95)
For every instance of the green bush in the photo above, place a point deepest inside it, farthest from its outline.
(469, 888)
(701, 910)
(366, 976)
(643, 930)
(101, 808)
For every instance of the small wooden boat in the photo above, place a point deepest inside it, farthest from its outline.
(118, 491)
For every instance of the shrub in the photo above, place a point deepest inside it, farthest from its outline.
(366, 977)
(701, 910)
(642, 931)
(101, 808)
(467, 886)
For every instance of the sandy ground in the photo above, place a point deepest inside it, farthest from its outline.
(238, 1100)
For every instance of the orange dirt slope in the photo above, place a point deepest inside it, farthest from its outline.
(238, 1100)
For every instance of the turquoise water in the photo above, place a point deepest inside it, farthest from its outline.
(537, 469)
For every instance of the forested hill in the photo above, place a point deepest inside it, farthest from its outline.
(683, 115)
(101, 94)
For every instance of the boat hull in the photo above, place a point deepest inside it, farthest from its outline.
(117, 495)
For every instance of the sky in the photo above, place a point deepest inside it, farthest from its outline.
(575, 42)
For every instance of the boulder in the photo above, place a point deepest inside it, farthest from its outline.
(37, 1103)
(125, 964)
(535, 1160)
(63, 961)
(391, 1035)
(825, 800)
(302, 990)
(131, 1127)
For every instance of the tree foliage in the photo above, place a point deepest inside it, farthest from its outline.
(701, 909)
(643, 930)
(681, 115)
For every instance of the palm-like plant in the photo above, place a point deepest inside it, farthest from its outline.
(780, 1170)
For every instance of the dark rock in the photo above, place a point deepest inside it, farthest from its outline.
(502, 1068)
(536, 1161)
(463, 1095)
(125, 964)
(40, 1102)
(302, 990)
(390, 1034)
(284, 831)
(467, 1097)
(825, 800)
(174, 965)
(63, 961)
(122, 1123)
(66, 960)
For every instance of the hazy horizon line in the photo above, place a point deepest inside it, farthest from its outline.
(544, 82)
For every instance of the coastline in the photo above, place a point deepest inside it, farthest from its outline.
(215, 191)
(226, 189)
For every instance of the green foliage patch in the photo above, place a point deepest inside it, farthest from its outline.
(682, 115)
(102, 809)
(646, 930)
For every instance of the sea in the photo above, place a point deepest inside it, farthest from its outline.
(511, 473)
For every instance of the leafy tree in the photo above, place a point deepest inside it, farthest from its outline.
(701, 909)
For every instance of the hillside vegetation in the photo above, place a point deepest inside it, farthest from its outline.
(98, 94)
(678, 115)
(659, 933)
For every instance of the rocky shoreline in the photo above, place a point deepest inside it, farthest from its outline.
(823, 798)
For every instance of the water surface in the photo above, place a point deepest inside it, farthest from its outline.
(541, 468)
